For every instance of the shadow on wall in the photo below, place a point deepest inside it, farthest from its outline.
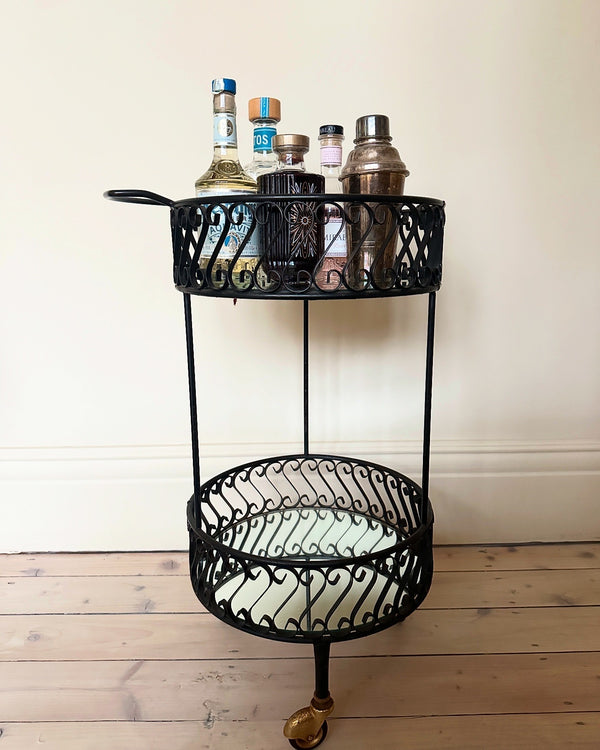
(369, 323)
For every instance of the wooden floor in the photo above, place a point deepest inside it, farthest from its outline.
(113, 652)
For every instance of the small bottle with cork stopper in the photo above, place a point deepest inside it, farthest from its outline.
(264, 113)
(293, 237)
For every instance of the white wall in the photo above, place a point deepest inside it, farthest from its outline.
(493, 106)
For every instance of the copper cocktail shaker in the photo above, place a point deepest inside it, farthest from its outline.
(374, 167)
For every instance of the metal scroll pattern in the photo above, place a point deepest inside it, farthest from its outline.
(390, 245)
(310, 547)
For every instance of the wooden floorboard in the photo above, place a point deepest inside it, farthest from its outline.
(201, 636)
(174, 594)
(518, 557)
(95, 564)
(263, 689)
(465, 557)
(514, 731)
(114, 651)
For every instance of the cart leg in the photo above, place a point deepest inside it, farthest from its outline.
(307, 727)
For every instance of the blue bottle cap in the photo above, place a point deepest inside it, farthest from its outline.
(223, 84)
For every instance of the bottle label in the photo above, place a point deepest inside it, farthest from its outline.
(335, 238)
(331, 155)
(224, 130)
(263, 138)
(241, 221)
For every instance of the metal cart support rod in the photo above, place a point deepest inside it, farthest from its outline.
(189, 338)
(427, 416)
(305, 371)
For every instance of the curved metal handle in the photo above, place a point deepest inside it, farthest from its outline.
(138, 196)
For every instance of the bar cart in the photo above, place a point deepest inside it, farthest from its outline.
(308, 548)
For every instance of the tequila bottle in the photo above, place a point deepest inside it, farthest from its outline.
(293, 235)
(264, 113)
(229, 223)
(330, 270)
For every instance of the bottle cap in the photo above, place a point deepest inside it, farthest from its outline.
(264, 108)
(331, 130)
(371, 126)
(290, 140)
(220, 85)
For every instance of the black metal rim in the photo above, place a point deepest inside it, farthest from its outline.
(150, 198)
(311, 198)
(395, 246)
(305, 637)
(409, 541)
(312, 296)
(258, 246)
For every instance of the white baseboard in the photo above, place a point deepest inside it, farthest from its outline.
(133, 497)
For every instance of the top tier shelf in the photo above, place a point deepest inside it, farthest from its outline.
(308, 246)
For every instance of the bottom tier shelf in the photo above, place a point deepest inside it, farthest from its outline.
(311, 547)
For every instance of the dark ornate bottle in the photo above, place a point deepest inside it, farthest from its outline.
(292, 235)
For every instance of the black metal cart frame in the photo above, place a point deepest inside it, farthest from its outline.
(308, 548)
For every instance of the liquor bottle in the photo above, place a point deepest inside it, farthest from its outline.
(264, 113)
(293, 236)
(374, 167)
(228, 223)
(330, 270)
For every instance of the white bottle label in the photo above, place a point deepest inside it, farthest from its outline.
(240, 223)
(241, 220)
(335, 238)
(224, 130)
(331, 155)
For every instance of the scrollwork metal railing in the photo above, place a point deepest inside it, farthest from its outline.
(258, 247)
(310, 547)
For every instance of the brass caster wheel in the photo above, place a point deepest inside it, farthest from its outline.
(311, 741)
(307, 728)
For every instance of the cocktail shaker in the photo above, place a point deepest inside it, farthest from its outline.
(373, 167)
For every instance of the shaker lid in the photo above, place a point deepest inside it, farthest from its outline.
(373, 151)
(264, 108)
(371, 126)
(220, 85)
(282, 141)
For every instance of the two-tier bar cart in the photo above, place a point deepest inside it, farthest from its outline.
(308, 548)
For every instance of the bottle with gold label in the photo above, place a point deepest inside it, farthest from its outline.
(230, 224)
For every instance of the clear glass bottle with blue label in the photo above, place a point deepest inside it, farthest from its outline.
(264, 113)
(229, 224)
